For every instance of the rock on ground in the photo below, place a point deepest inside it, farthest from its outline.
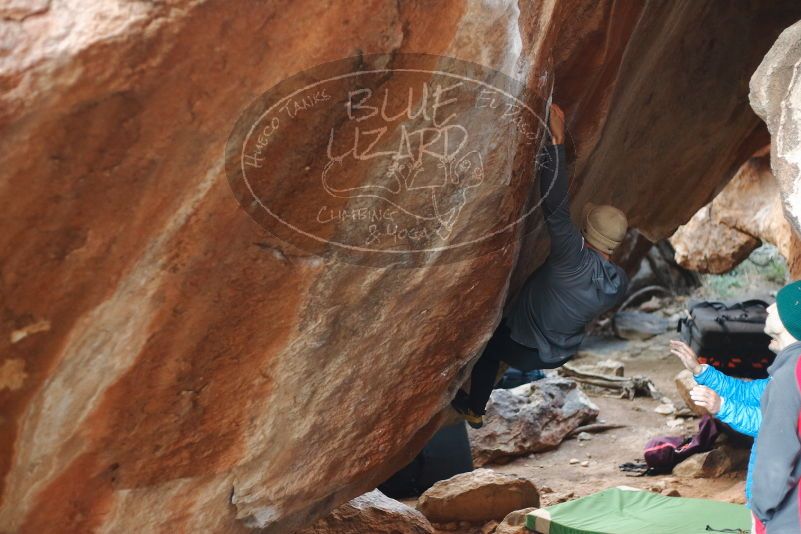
(479, 496)
(634, 325)
(372, 512)
(714, 463)
(684, 384)
(515, 522)
(198, 374)
(530, 418)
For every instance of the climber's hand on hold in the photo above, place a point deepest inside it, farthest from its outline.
(706, 398)
(687, 356)
(557, 125)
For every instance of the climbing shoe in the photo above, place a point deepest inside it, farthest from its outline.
(473, 419)
(459, 403)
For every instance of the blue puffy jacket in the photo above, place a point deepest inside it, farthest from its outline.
(740, 409)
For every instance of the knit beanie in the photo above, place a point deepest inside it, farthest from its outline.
(604, 227)
(788, 302)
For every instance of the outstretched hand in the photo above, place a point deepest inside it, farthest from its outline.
(706, 398)
(557, 124)
(687, 355)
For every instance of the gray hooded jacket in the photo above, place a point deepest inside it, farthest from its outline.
(777, 468)
(573, 286)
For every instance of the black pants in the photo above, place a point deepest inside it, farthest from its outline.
(501, 348)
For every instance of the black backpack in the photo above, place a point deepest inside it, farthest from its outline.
(730, 338)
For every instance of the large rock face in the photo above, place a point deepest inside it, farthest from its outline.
(167, 364)
(776, 97)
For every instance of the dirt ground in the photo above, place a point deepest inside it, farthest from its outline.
(560, 480)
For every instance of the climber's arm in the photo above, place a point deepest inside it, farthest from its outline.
(566, 240)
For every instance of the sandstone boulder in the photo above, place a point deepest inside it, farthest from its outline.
(713, 464)
(479, 496)
(775, 95)
(747, 212)
(752, 203)
(707, 246)
(169, 364)
(372, 512)
(530, 418)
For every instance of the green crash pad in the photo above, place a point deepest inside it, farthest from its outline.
(631, 511)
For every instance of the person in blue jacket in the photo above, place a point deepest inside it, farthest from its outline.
(731, 400)
(768, 409)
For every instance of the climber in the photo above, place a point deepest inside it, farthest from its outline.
(767, 409)
(576, 283)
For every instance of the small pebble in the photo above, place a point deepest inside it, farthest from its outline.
(574, 461)
(584, 436)
(675, 423)
(585, 463)
(566, 497)
(665, 409)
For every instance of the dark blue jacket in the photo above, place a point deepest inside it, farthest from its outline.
(573, 286)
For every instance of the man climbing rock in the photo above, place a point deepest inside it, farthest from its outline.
(576, 283)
